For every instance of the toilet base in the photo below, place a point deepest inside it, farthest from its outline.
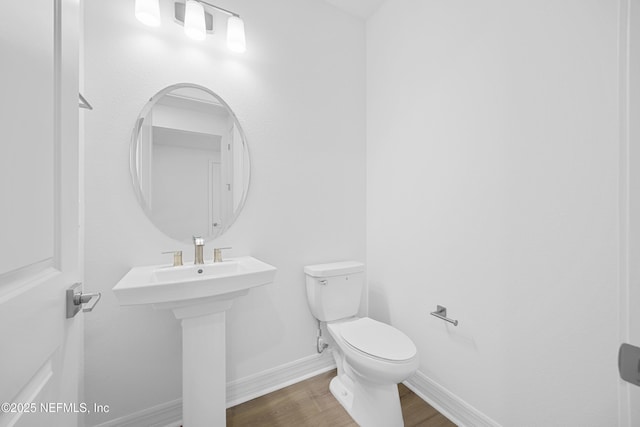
(370, 405)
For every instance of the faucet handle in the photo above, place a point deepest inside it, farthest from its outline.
(198, 241)
(177, 257)
(217, 254)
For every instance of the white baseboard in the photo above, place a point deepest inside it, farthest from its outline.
(448, 404)
(169, 414)
(273, 379)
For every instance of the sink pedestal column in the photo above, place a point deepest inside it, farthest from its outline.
(204, 371)
(204, 379)
(198, 295)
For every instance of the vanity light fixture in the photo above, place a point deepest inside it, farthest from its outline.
(148, 12)
(196, 20)
(235, 34)
(197, 23)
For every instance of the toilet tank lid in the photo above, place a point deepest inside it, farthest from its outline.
(334, 269)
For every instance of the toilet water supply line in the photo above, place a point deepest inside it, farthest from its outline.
(320, 344)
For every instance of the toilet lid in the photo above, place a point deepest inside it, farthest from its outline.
(378, 339)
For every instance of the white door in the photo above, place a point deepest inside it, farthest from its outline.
(633, 140)
(215, 202)
(630, 197)
(40, 350)
(226, 171)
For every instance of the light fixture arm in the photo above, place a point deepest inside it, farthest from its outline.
(228, 12)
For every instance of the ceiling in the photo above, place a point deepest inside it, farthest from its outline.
(359, 8)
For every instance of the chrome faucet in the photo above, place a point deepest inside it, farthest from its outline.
(198, 242)
(217, 254)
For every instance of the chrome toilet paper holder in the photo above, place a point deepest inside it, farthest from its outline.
(441, 313)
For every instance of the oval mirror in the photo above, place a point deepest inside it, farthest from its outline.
(189, 162)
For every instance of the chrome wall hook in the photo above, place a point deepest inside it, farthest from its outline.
(83, 103)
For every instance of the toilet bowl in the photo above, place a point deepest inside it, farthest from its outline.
(375, 350)
(371, 357)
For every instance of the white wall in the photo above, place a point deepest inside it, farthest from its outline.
(298, 91)
(492, 168)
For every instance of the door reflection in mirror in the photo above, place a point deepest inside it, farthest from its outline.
(189, 162)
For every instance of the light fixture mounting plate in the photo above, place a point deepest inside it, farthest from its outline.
(178, 13)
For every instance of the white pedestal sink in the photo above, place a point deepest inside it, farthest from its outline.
(199, 295)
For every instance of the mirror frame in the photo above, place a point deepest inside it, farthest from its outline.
(133, 151)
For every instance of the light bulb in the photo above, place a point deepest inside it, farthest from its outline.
(235, 34)
(194, 24)
(148, 12)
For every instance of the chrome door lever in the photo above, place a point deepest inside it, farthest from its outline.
(75, 299)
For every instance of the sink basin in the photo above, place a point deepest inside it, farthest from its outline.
(199, 296)
(195, 272)
(166, 284)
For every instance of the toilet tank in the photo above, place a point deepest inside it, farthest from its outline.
(334, 290)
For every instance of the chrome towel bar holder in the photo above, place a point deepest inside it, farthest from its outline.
(83, 103)
(441, 313)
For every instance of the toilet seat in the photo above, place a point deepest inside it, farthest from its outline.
(378, 340)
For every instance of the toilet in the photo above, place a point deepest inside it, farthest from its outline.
(372, 357)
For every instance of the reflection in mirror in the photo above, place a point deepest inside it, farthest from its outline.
(189, 162)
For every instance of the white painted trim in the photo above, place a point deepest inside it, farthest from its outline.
(169, 414)
(624, 198)
(30, 393)
(447, 403)
(273, 379)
